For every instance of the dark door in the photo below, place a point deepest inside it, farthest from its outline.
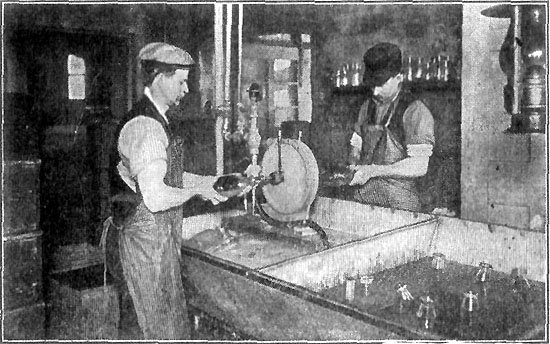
(77, 84)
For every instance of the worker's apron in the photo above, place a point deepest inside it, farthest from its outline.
(150, 256)
(383, 144)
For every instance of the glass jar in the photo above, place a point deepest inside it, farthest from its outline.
(409, 69)
(419, 74)
(345, 75)
(355, 80)
(338, 79)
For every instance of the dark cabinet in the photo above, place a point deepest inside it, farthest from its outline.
(24, 308)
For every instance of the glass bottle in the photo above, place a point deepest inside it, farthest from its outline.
(355, 79)
(345, 75)
(419, 69)
(446, 73)
(233, 184)
(409, 69)
(439, 67)
(428, 70)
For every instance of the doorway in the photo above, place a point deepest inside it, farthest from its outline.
(77, 86)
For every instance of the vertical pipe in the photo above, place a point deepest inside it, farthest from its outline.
(517, 60)
(218, 54)
(240, 50)
(219, 85)
(228, 52)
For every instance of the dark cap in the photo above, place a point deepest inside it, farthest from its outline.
(382, 62)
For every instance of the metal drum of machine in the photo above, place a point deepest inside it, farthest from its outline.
(291, 199)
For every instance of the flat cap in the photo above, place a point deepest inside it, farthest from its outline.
(382, 62)
(165, 53)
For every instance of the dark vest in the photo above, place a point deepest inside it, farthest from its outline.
(374, 150)
(171, 218)
(175, 143)
(384, 146)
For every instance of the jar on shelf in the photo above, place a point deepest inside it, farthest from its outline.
(356, 79)
(439, 68)
(408, 71)
(445, 74)
(419, 73)
(428, 69)
(345, 76)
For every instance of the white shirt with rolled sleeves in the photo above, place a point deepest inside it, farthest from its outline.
(141, 141)
(142, 146)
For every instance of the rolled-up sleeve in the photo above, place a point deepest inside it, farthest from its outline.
(418, 124)
(142, 141)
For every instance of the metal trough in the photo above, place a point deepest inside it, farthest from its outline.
(280, 297)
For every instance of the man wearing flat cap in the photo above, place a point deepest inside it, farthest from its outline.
(151, 166)
(393, 137)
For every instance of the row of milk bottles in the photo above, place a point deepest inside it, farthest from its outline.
(438, 68)
(349, 75)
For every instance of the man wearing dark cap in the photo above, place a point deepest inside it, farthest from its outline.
(151, 165)
(393, 137)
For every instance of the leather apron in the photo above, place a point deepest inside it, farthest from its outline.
(150, 254)
(384, 144)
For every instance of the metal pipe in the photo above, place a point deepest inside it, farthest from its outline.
(240, 51)
(228, 23)
(219, 86)
(516, 78)
(218, 54)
